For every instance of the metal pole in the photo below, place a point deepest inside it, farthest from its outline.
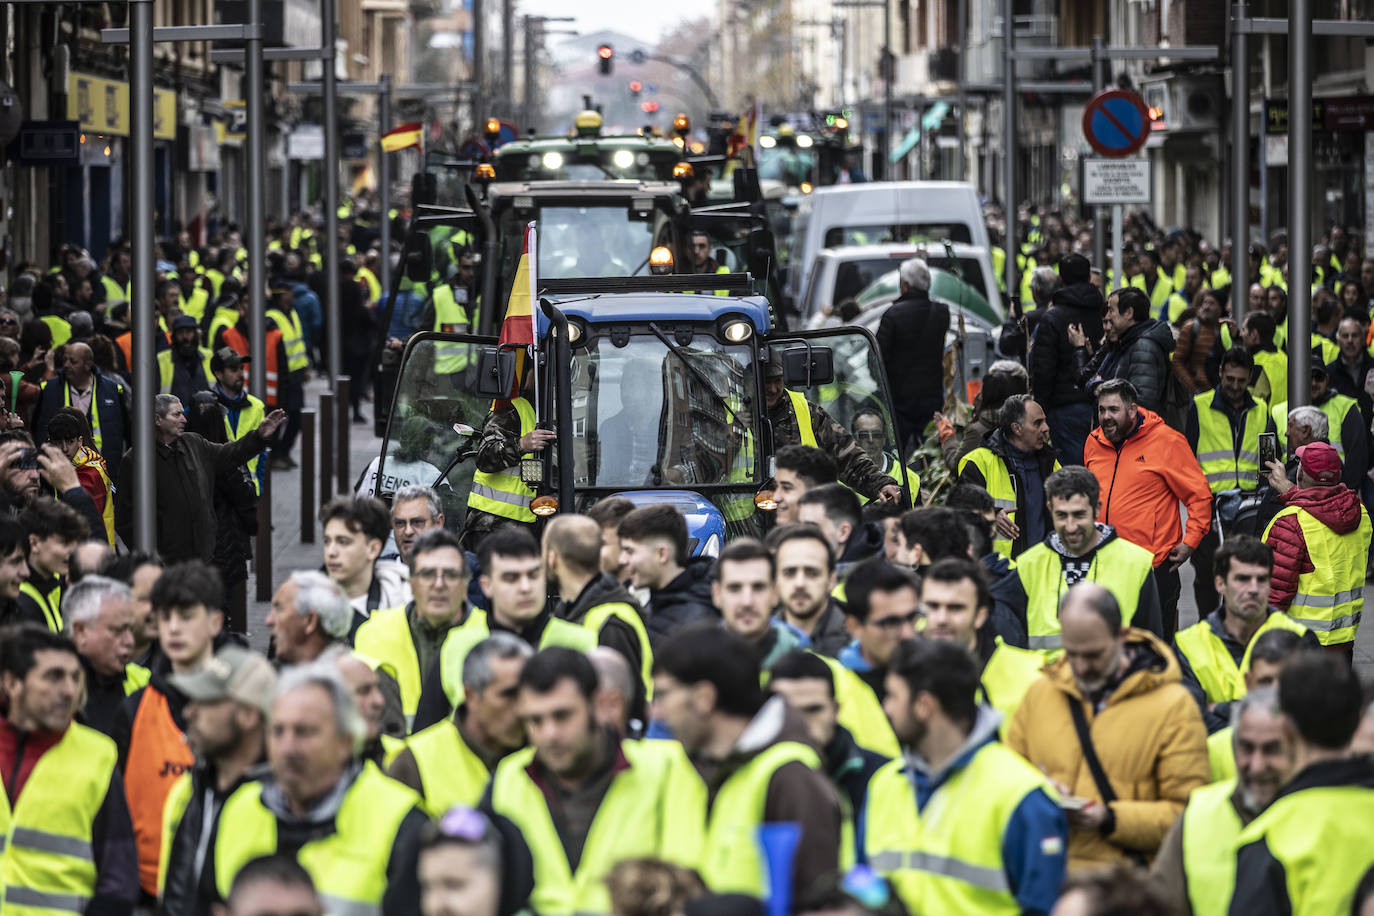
(262, 549)
(479, 52)
(1240, 165)
(889, 64)
(257, 201)
(144, 321)
(527, 109)
(1299, 194)
(307, 476)
(1118, 278)
(1099, 66)
(962, 26)
(1009, 140)
(334, 335)
(507, 57)
(384, 183)
(342, 403)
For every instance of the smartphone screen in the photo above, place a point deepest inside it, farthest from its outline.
(1268, 451)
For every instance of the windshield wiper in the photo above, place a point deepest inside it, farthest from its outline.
(697, 373)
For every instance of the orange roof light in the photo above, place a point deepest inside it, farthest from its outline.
(493, 126)
(604, 52)
(682, 124)
(661, 260)
(683, 170)
(544, 506)
(485, 172)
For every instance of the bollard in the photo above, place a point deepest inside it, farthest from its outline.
(307, 476)
(262, 563)
(345, 421)
(328, 440)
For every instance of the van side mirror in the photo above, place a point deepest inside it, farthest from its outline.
(495, 372)
(803, 367)
(419, 261)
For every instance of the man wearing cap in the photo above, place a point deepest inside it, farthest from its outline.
(185, 369)
(242, 411)
(796, 421)
(1321, 543)
(292, 365)
(1346, 429)
(226, 727)
(104, 401)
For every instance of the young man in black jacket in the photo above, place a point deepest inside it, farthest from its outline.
(1053, 368)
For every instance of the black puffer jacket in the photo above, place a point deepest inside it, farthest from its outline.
(1141, 356)
(1053, 369)
(685, 600)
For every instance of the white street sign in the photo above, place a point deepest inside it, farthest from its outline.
(1116, 181)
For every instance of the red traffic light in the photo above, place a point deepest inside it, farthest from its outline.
(636, 86)
(605, 52)
(648, 107)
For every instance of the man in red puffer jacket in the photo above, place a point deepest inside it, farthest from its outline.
(1321, 541)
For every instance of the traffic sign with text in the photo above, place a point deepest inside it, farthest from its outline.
(1116, 181)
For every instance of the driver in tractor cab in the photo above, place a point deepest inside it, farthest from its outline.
(498, 495)
(797, 421)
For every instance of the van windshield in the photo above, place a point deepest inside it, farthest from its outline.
(911, 233)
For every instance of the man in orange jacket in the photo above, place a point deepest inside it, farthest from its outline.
(1145, 470)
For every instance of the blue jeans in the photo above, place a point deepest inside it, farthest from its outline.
(1069, 428)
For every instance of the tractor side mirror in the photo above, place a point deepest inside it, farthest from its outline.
(495, 372)
(803, 367)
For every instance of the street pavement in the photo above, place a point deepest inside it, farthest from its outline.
(288, 553)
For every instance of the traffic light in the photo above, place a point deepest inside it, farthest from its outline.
(606, 54)
(636, 87)
(648, 107)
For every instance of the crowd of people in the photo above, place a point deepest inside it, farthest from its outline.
(978, 699)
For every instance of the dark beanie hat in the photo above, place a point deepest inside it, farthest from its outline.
(1074, 268)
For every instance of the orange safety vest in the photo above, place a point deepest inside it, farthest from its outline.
(158, 756)
(234, 339)
(273, 345)
(125, 342)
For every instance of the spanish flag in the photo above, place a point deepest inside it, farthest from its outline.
(518, 326)
(403, 137)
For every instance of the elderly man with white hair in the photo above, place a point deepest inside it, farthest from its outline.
(1305, 424)
(354, 830)
(911, 338)
(99, 616)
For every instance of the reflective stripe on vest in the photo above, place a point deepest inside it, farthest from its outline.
(449, 318)
(461, 639)
(48, 866)
(1330, 598)
(597, 617)
(1119, 566)
(158, 755)
(1210, 825)
(655, 807)
(503, 493)
(1228, 461)
(385, 636)
(1221, 679)
(348, 866)
(450, 773)
(730, 861)
(937, 859)
(50, 604)
(802, 411)
(292, 338)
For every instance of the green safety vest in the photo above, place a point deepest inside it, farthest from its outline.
(165, 371)
(802, 411)
(1335, 407)
(1330, 352)
(116, 293)
(731, 862)
(902, 474)
(292, 339)
(61, 329)
(1274, 365)
(1211, 826)
(1330, 598)
(135, 678)
(195, 305)
(1216, 671)
(597, 617)
(50, 603)
(48, 866)
(224, 317)
(860, 712)
(1221, 755)
(1166, 304)
(1001, 486)
(385, 636)
(654, 807)
(1220, 277)
(1008, 675)
(938, 858)
(503, 493)
(449, 318)
(1119, 566)
(739, 507)
(450, 773)
(1228, 462)
(460, 640)
(1320, 875)
(250, 418)
(96, 434)
(348, 866)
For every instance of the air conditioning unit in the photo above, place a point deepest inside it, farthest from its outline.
(1195, 102)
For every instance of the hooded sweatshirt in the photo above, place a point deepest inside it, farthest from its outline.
(1034, 868)
(1338, 508)
(684, 600)
(1143, 480)
(1053, 369)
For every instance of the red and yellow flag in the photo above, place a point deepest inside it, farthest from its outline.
(518, 327)
(403, 137)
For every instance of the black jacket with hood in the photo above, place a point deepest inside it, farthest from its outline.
(1141, 356)
(1053, 369)
(683, 601)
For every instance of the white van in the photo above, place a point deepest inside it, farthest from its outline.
(882, 211)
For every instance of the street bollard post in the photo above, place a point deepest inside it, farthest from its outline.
(327, 442)
(307, 476)
(343, 420)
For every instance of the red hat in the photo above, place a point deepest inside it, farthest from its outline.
(1320, 462)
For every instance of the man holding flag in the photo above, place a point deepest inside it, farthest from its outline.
(498, 494)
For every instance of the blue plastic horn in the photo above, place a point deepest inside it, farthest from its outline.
(778, 843)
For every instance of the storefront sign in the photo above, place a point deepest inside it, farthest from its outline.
(101, 106)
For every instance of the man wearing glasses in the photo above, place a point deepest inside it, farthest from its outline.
(882, 610)
(414, 510)
(408, 638)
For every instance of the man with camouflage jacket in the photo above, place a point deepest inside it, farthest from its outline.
(498, 497)
(856, 469)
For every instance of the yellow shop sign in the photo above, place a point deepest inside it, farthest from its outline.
(102, 106)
